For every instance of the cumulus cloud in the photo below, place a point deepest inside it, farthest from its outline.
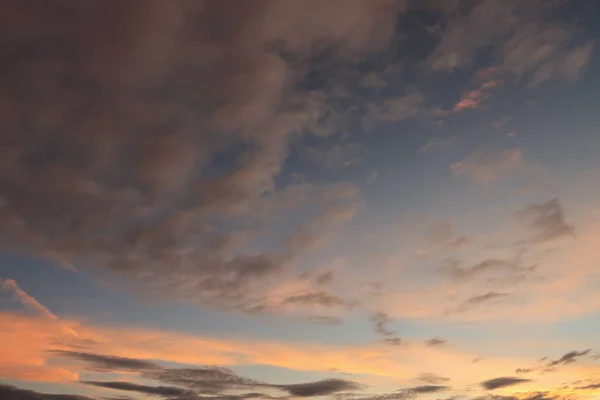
(126, 131)
(501, 382)
(546, 221)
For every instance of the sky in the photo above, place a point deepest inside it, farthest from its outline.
(294, 199)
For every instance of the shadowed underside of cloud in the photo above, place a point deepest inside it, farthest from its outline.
(501, 382)
(178, 119)
(212, 380)
(12, 393)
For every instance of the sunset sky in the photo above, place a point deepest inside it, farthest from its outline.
(285, 199)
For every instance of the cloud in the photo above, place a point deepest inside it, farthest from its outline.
(525, 40)
(474, 98)
(569, 357)
(428, 389)
(13, 393)
(487, 167)
(432, 379)
(394, 109)
(493, 266)
(501, 382)
(436, 341)
(178, 127)
(381, 322)
(109, 363)
(163, 391)
(25, 299)
(479, 299)
(320, 298)
(442, 236)
(190, 381)
(320, 388)
(546, 221)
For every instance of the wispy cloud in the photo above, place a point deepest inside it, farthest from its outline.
(546, 221)
(487, 167)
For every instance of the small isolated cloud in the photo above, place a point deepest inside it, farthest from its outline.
(381, 322)
(320, 298)
(436, 341)
(474, 98)
(432, 379)
(320, 388)
(486, 167)
(546, 221)
(501, 382)
(428, 389)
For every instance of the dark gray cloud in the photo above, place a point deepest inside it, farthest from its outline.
(320, 298)
(569, 357)
(195, 381)
(8, 392)
(546, 221)
(593, 386)
(428, 389)
(501, 382)
(401, 394)
(110, 363)
(175, 121)
(381, 322)
(163, 391)
(548, 366)
(320, 388)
